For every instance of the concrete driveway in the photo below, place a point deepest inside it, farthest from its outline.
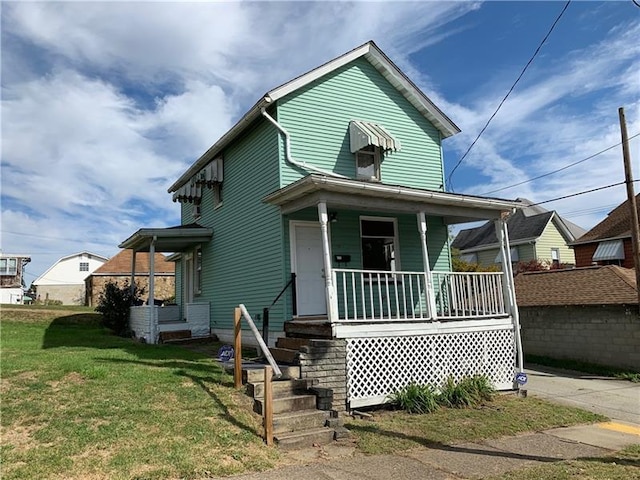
(617, 399)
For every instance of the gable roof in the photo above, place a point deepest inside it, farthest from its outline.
(524, 225)
(42, 277)
(373, 55)
(600, 285)
(617, 224)
(121, 264)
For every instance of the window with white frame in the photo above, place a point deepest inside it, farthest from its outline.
(217, 194)
(84, 266)
(555, 257)
(368, 163)
(197, 271)
(8, 266)
(379, 243)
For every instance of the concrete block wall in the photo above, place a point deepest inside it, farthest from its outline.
(605, 335)
(325, 363)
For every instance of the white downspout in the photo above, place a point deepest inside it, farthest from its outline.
(287, 147)
(332, 301)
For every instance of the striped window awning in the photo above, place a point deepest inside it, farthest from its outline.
(362, 134)
(609, 250)
(192, 192)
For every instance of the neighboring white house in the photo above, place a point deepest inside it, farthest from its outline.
(11, 275)
(64, 280)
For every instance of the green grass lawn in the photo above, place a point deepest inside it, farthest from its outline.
(80, 403)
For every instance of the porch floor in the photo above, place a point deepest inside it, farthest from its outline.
(308, 327)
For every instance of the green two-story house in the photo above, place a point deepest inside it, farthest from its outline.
(324, 204)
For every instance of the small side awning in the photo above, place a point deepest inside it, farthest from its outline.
(610, 250)
(362, 134)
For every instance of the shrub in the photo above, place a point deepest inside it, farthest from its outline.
(114, 303)
(415, 399)
(468, 392)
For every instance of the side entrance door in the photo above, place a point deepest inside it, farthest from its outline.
(308, 265)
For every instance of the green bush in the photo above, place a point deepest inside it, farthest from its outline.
(114, 303)
(415, 399)
(468, 392)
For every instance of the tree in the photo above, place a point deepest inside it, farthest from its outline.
(114, 303)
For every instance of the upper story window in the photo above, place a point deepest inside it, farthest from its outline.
(368, 163)
(555, 257)
(84, 266)
(8, 266)
(379, 243)
(369, 142)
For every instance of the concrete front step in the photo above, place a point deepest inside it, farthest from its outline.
(308, 329)
(280, 388)
(290, 404)
(307, 438)
(285, 355)
(300, 421)
(292, 343)
(254, 373)
(174, 335)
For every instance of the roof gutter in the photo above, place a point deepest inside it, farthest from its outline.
(289, 158)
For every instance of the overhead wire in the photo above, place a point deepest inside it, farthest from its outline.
(535, 54)
(559, 169)
(582, 193)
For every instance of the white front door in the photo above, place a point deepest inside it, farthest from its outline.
(307, 263)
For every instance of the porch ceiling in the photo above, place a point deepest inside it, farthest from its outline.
(172, 239)
(352, 194)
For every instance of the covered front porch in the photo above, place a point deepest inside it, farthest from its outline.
(399, 325)
(151, 320)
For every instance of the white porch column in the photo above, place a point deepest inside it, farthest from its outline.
(332, 301)
(430, 293)
(153, 319)
(132, 283)
(502, 232)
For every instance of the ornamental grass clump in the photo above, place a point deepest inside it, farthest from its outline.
(416, 398)
(468, 392)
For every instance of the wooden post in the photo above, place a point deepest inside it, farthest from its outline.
(631, 196)
(237, 349)
(267, 406)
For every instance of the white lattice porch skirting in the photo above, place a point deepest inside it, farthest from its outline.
(381, 362)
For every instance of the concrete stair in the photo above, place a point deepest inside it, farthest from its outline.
(297, 423)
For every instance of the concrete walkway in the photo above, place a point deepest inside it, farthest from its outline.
(457, 462)
(617, 399)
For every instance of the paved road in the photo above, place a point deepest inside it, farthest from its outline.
(617, 399)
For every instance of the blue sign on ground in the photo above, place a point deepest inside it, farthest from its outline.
(521, 378)
(225, 353)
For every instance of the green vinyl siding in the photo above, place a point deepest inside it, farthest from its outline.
(317, 118)
(243, 261)
(552, 238)
(488, 257)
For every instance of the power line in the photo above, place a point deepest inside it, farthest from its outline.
(560, 169)
(581, 193)
(535, 54)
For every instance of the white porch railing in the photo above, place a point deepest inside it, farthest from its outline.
(371, 295)
(148, 321)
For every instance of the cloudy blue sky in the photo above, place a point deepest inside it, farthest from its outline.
(104, 105)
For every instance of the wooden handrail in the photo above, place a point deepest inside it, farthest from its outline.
(240, 312)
